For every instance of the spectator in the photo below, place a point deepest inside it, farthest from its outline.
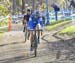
(72, 3)
(56, 9)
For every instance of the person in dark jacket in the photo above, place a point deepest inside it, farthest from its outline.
(56, 9)
(26, 18)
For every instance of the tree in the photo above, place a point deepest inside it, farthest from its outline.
(18, 6)
(3, 10)
(4, 7)
(23, 6)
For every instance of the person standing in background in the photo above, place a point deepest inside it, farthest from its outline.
(56, 9)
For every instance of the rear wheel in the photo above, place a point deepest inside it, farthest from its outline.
(38, 37)
(25, 35)
(35, 51)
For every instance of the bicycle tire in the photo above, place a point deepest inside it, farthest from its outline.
(35, 45)
(25, 35)
(28, 34)
(35, 52)
(38, 37)
(34, 48)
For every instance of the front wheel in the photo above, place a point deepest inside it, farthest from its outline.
(25, 35)
(35, 52)
(35, 45)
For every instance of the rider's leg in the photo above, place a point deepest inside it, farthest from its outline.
(31, 40)
(38, 33)
(31, 36)
(24, 27)
(41, 32)
(28, 34)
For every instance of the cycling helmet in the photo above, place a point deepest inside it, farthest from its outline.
(36, 13)
(28, 10)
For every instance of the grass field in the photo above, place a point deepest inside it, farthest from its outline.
(56, 24)
(4, 29)
(1, 33)
(68, 30)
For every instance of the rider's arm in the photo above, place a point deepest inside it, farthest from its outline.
(41, 22)
(30, 22)
(24, 20)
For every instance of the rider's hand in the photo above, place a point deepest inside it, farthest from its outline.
(39, 26)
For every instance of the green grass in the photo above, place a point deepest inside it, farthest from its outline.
(3, 23)
(56, 22)
(4, 29)
(68, 30)
(55, 25)
(1, 33)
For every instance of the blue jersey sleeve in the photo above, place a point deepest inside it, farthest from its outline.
(41, 22)
(30, 22)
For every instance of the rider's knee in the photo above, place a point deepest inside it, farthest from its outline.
(31, 33)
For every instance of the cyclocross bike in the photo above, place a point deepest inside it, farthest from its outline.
(36, 40)
(26, 34)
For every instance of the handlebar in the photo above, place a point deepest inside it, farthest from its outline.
(35, 30)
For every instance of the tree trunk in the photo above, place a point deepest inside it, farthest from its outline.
(33, 5)
(23, 6)
(14, 6)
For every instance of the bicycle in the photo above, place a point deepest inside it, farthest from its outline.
(26, 34)
(36, 40)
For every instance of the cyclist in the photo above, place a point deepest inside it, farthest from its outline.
(26, 19)
(35, 23)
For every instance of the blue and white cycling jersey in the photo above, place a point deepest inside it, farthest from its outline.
(33, 22)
